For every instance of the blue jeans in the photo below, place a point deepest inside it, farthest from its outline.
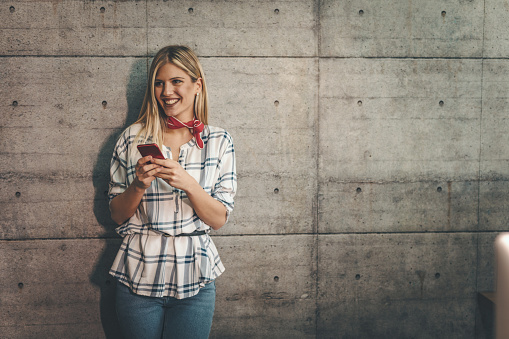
(144, 317)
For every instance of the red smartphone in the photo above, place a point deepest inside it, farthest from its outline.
(151, 149)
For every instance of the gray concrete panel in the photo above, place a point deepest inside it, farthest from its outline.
(73, 142)
(494, 213)
(257, 94)
(398, 207)
(57, 286)
(398, 123)
(62, 117)
(486, 262)
(268, 288)
(496, 26)
(74, 330)
(382, 284)
(493, 205)
(33, 207)
(494, 149)
(412, 318)
(486, 281)
(67, 93)
(73, 28)
(272, 116)
(57, 167)
(397, 266)
(235, 28)
(273, 204)
(264, 318)
(384, 28)
(55, 183)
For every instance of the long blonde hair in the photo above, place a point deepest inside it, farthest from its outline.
(152, 118)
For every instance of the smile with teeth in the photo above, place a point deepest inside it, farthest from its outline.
(171, 101)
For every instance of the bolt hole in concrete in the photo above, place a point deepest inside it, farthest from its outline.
(443, 13)
(102, 9)
(104, 103)
(359, 103)
(357, 276)
(441, 103)
(437, 275)
(14, 103)
(276, 11)
(439, 189)
(361, 12)
(20, 285)
(276, 103)
(12, 9)
(18, 194)
(190, 10)
(359, 190)
(276, 190)
(276, 278)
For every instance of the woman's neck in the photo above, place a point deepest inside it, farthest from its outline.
(177, 133)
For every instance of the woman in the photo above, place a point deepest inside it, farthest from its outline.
(167, 263)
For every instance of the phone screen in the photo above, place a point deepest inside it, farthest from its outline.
(151, 149)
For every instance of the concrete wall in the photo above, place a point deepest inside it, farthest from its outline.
(372, 160)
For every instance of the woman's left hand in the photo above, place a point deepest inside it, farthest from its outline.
(174, 174)
(208, 209)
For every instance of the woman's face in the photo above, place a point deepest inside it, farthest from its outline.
(175, 92)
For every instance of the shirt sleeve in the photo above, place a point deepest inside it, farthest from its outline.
(226, 186)
(118, 169)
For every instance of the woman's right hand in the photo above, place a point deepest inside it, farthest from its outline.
(145, 172)
(124, 205)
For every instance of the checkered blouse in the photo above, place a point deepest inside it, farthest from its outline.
(153, 260)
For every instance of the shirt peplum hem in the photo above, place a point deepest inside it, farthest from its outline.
(144, 265)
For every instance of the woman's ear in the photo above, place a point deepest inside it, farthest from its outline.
(199, 85)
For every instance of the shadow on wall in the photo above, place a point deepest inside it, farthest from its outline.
(100, 277)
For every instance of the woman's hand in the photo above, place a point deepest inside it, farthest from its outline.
(174, 174)
(124, 205)
(145, 172)
(208, 209)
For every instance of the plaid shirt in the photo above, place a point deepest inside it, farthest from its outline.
(152, 261)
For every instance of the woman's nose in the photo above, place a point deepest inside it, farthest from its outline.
(168, 90)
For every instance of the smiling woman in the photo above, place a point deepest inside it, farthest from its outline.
(166, 208)
(176, 91)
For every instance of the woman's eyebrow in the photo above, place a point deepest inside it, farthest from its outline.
(171, 78)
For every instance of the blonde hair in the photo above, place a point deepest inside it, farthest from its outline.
(152, 118)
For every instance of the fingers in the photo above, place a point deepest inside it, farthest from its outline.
(176, 176)
(165, 173)
(148, 168)
(144, 160)
(145, 171)
(166, 163)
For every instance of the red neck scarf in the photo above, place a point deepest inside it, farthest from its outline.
(196, 127)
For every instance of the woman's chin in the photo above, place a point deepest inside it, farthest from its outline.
(182, 116)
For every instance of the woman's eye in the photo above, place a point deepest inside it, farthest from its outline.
(176, 82)
(158, 83)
